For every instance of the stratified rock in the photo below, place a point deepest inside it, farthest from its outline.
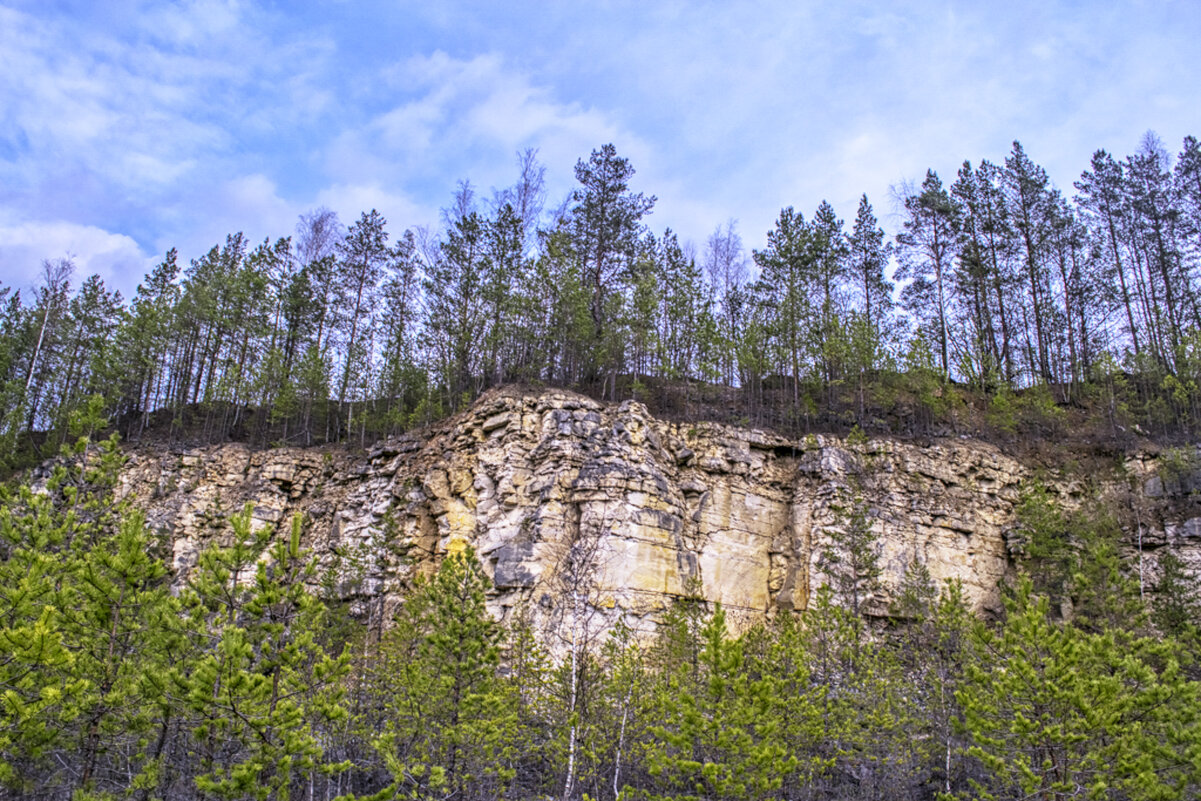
(559, 494)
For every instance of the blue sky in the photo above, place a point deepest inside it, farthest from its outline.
(131, 126)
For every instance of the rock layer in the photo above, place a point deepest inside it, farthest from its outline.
(568, 500)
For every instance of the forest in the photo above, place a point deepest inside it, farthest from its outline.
(1001, 306)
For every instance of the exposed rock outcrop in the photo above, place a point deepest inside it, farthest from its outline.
(558, 493)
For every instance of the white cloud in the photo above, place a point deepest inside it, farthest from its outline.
(467, 118)
(193, 23)
(164, 94)
(253, 200)
(116, 258)
(350, 201)
(250, 204)
(179, 122)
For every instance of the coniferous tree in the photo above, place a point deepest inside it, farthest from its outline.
(364, 256)
(251, 686)
(783, 290)
(451, 725)
(605, 225)
(926, 250)
(1032, 205)
(830, 275)
(43, 342)
(982, 346)
(46, 539)
(85, 366)
(867, 259)
(719, 740)
(1075, 713)
(456, 319)
(142, 347)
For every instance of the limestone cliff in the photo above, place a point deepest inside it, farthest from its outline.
(559, 494)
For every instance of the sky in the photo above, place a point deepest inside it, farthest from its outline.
(129, 127)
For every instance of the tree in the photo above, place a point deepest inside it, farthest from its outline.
(507, 269)
(978, 280)
(1031, 204)
(143, 344)
(830, 266)
(92, 317)
(726, 267)
(784, 289)
(450, 722)
(1177, 611)
(1055, 712)
(721, 741)
(44, 336)
(1101, 195)
(526, 197)
(851, 558)
(682, 313)
(364, 256)
(605, 224)
(867, 257)
(401, 380)
(47, 540)
(454, 292)
(864, 720)
(319, 235)
(252, 684)
(926, 249)
(934, 627)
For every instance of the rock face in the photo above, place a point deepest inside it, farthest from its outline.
(604, 510)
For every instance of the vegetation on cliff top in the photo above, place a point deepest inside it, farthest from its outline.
(1011, 310)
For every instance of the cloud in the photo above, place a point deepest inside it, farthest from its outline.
(352, 200)
(252, 202)
(103, 105)
(467, 118)
(151, 104)
(116, 258)
(175, 123)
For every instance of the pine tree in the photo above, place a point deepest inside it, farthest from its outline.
(364, 256)
(455, 302)
(1030, 200)
(92, 318)
(142, 345)
(926, 248)
(402, 381)
(1055, 712)
(252, 683)
(450, 721)
(719, 741)
(867, 258)
(51, 541)
(830, 274)
(934, 627)
(1176, 610)
(851, 558)
(605, 225)
(784, 291)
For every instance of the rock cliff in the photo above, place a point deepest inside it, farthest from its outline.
(564, 498)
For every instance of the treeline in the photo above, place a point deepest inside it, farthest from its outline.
(1014, 299)
(246, 679)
